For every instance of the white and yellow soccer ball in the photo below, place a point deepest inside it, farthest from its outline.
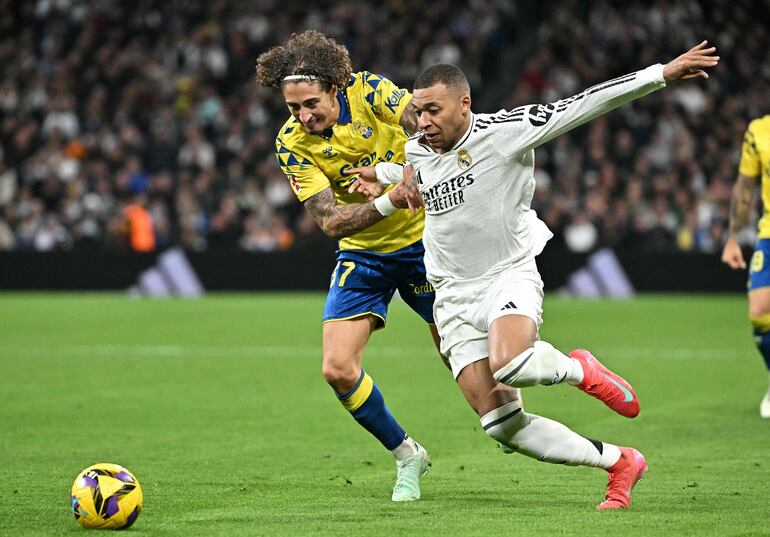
(106, 496)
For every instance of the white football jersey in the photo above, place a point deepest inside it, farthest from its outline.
(477, 196)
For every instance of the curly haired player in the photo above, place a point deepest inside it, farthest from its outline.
(341, 120)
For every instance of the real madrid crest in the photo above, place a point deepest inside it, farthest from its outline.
(464, 159)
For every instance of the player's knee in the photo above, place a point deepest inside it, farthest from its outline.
(499, 396)
(503, 422)
(500, 356)
(532, 367)
(341, 375)
(759, 314)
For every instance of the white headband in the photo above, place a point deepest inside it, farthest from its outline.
(300, 78)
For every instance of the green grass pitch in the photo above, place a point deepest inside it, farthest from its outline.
(219, 408)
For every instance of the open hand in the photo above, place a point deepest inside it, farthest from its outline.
(366, 189)
(691, 64)
(366, 184)
(367, 173)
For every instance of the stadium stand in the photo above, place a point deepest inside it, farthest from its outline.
(110, 109)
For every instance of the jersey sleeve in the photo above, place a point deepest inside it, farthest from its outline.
(389, 173)
(750, 164)
(529, 126)
(386, 100)
(305, 177)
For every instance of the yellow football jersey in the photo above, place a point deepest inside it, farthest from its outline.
(366, 132)
(755, 162)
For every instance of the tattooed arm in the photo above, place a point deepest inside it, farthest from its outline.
(409, 119)
(740, 209)
(340, 221)
(741, 202)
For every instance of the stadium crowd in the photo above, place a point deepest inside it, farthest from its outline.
(117, 116)
(658, 174)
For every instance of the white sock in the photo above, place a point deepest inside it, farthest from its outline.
(405, 449)
(610, 455)
(540, 364)
(544, 439)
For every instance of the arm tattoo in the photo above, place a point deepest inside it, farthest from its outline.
(740, 203)
(340, 221)
(409, 118)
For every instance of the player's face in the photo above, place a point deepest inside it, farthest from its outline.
(315, 108)
(443, 114)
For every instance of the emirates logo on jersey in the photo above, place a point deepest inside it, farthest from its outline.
(446, 194)
(464, 159)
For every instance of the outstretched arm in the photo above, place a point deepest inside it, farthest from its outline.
(740, 209)
(340, 221)
(527, 127)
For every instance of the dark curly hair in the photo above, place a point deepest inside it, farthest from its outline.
(309, 53)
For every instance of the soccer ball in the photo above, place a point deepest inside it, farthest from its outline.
(106, 496)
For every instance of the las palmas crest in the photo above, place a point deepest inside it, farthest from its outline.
(364, 130)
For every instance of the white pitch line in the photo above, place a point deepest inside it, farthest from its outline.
(301, 351)
(139, 351)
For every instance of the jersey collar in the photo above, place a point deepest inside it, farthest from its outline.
(467, 133)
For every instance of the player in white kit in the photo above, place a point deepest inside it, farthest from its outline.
(474, 173)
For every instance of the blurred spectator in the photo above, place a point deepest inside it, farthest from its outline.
(100, 101)
(141, 235)
(580, 235)
(103, 101)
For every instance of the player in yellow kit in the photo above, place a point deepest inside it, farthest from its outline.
(342, 120)
(754, 165)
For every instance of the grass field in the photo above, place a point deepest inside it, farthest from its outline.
(218, 406)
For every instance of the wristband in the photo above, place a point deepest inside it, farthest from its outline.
(384, 205)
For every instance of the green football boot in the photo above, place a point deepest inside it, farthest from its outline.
(407, 487)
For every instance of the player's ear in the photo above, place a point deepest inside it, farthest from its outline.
(465, 102)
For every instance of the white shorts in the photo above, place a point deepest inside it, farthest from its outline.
(463, 311)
